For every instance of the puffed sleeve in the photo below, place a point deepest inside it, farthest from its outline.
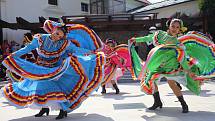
(148, 38)
(33, 45)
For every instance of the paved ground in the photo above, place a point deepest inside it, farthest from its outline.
(130, 104)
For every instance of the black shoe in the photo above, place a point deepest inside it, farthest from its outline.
(117, 91)
(157, 102)
(43, 111)
(103, 90)
(116, 88)
(184, 105)
(61, 115)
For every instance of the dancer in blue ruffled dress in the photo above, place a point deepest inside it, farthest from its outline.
(67, 69)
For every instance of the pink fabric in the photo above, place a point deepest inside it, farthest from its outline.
(114, 66)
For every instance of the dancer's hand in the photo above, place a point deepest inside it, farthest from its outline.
(87, 54)
(213, 46)
(132, 40)
(122, 61)
(191, 74)
(94, 52)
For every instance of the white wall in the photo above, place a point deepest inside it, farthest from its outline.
(30, 10)
(190, 8)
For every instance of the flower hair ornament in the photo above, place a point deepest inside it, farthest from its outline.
(49, 26)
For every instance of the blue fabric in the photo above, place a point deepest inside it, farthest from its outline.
(83, 38)
(64, 81)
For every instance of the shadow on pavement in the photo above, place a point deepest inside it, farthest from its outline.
(71, 117)
(138, 83)
(174, 114)
(120, 96)
(129, 106)
(204, 93)
(6, 104)
(109, 94)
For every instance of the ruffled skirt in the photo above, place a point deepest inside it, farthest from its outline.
(63, 87)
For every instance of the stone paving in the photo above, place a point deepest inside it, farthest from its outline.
(130, 105)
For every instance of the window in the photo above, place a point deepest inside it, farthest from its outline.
(52, 2)
(84, 7)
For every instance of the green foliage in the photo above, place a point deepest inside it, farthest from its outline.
(207, 7)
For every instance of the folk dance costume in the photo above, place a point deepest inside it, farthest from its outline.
(186, 58)
(174, 60)
(31, 56)
(177, 59)
(117, 62)
(64, 74)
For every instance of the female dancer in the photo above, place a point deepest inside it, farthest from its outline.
(117, 61)
(108, 51)
(161, 37)
(64, 74)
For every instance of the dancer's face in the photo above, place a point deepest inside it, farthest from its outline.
(57, 35)
(174, 28)
(110, 45)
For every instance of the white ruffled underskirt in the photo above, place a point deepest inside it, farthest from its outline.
(53, 105)
(180, 79)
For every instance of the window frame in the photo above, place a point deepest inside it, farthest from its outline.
(53, 2)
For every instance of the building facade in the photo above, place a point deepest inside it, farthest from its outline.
(115, 6)
(30, 10)
(168, 8)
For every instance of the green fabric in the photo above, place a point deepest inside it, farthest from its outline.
(198, 52)
(164, 60)
(193, 85)
(165, 38)
(162, 36)
(148, 38)
(205, 57)
(136, 61)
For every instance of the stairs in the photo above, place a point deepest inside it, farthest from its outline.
(126, 78)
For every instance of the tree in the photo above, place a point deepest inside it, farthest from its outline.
(207, 8)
